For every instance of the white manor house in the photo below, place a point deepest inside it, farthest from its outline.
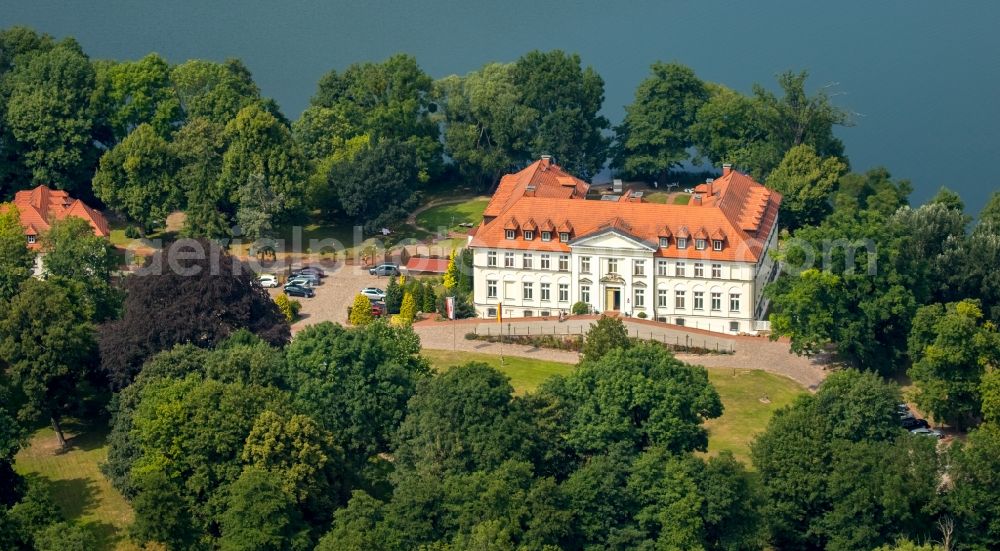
(544, 245)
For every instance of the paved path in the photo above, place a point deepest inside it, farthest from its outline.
(748, 352)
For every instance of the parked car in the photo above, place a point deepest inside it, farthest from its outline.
(925, 431)
(911, 423)
(384, 270)
(373, 293)
(378, 309)
(313, 279)
(310, 270)
(300, 281)
(268, 280)
(299, 291)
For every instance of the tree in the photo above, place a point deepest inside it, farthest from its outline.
(973, 500)
(485, 122)
(990, 391)
(429, 299)
(807, 310)
(606, 335)
(451, 275)
(137, 177)
(198, 147)
(356, 382)
(567, 100)
(952, 348)
(729, 128)
(805, 182)
(161, 513)
(47, 340)
(655, 136)
(285, 306)
(633, 398)
(191, 292)
(214, 91)
(393, 295)
(72, 252)
(139, 92)
(874, 190)
(387, 170)
(408, 310)
(261, 515)
(16, 260)
(354, 526)
(361, 311)
(261, 146)
(50, 115)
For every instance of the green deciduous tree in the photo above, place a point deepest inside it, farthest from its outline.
(138, 92)
(74, 253)
(655, 135)
(606, 335)
(387, 170)
(805, 181)
(198, 147)
(215, 91)
(951, 348)
(567, 101)
(48, 341)
(137, 177)
(16, 260)
(973, 501)
(49, 113)
(261, 515)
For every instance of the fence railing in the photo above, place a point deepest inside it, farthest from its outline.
(676, 340)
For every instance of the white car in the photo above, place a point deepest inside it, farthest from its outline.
(268, 280)
(373, 293)
(928, 432)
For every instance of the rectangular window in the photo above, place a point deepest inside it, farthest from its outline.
(734, 326)
(546, 264)
(661, 267)
(545, 291)
(717, 244)
(528, 313)
(585, 293)
(661, 298)
(584, 264)
(640, 298)
(612, 265)
(510, 234)
(716, 302)
(491, 259)
(31, 239)
(699, 300)
(679, 269)
(682, 243)
(564, 237)
(546, 236)
(529, 235)
(528, 290)
(527, 261)
(679, 299)
(664, 242)
(508, 260)
(564, 263)
(699, 244)
(638, 267)
(491, 312)
(734, 302)
(564, 292)
(699, 269)
(491, 288)
(716, 271)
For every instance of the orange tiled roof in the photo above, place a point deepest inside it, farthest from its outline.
(733, 208)
(544, 177)
(40, 206)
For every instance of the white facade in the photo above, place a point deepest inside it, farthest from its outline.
(612, 271)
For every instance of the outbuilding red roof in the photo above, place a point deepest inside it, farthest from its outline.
(40, 206)
(427, 265)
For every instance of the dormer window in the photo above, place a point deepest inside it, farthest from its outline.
(664, 242)
(510, 234)
(546, 236)
(564, 237)
(699, 244)
(682, 243)
(31, 239)
(529, 235)
(717, 244)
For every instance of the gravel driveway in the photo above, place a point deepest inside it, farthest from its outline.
(334, 296)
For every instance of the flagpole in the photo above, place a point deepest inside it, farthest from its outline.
(500, 321)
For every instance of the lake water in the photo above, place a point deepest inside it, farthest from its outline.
(921, 76)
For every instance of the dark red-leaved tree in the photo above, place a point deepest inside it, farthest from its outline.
(191, 292)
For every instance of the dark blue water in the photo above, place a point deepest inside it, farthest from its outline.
(921, 76)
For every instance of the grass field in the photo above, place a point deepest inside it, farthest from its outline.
(76, 483)
(450, 216)
(750, 397)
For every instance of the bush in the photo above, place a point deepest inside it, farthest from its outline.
(642, 315)
(408, 310)
(285, 306)
(361, 311)
(580, 308)
(133, 232)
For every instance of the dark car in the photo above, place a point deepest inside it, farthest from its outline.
(911, 423)
(310, 270)
(299, 291)
(384, 270)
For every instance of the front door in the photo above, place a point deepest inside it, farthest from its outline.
(613, 299)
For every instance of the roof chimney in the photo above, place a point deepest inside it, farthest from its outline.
(726, 169)
(546, 160)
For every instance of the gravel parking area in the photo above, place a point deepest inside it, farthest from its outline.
(334, 296)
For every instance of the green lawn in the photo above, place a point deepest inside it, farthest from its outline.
(750, 397)
(682, 199)
(76, 483)
(450, 216)
(657, 197)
